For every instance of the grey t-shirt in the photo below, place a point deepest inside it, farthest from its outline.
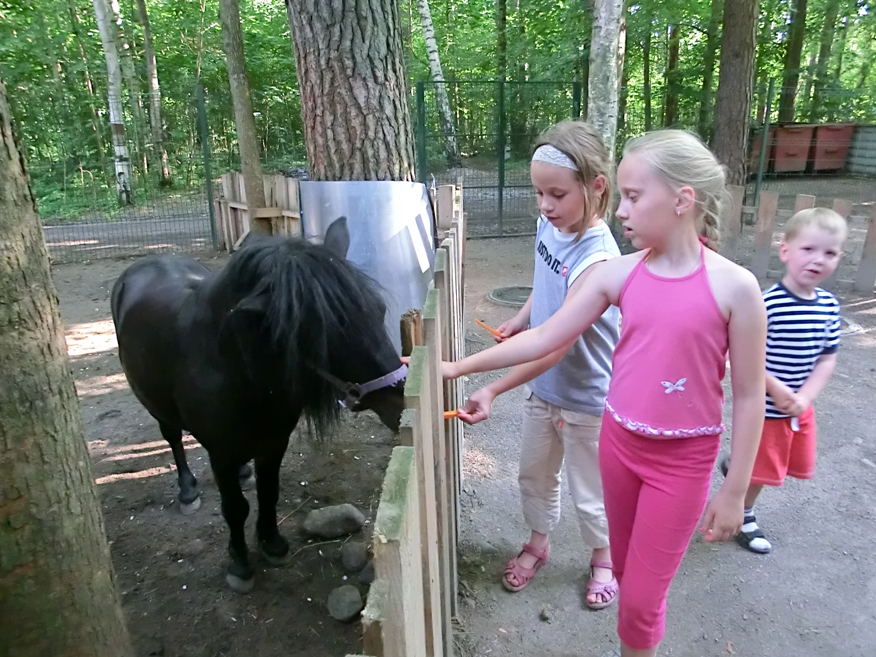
(580, 381)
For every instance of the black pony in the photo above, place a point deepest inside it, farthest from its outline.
(286, 329)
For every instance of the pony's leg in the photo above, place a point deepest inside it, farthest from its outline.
(189, 497)
(273, 545)
(235, 509)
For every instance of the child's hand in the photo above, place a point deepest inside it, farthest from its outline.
(787, 401)
(511, 328)
(477, 408)
(723, 517)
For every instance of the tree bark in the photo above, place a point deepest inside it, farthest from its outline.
(156, 113)
(602, 93)
(733, 106)
(670, 103)
(444, 111)
(247, 139)
(625, 78)
(501, 39)
(828, 30)
(57, 587)
(704, 123)
(841, 48)
(791, 68)
(646, 73)
(89, 85)
(129, 73)
(122, 158)
(348, 54)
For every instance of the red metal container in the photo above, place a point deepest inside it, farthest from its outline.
(832, 143)
(791, 151)
(754, 150)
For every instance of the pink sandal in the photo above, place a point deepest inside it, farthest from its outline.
(608, 590)
(521, 574)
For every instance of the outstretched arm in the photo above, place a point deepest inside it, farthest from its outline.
(747, 333)
(577, 314)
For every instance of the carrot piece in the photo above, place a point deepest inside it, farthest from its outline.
(488, 328)
(450, 414)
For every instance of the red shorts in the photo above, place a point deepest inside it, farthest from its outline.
(785, 451)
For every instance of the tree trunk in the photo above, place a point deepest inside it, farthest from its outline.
(670, 102)
(761, 67)
(704, 123)
(57, 587)
(791, 68)
(841, 48)
(810, 78)
(354, 104)
(519, 114)
(122, 159)
(501, 39)
(444, 111)
(625, 79)
(602, 94)
(247, 139)
(646, 74)
(828, 30)
(89, 85)
(156, 121)
(733, 106)
(125, 43)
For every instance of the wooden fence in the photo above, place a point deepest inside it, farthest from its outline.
(413, 597)
(234, 216)
(857, 271)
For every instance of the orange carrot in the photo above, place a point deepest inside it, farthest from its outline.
(488, 328)
(450, 414)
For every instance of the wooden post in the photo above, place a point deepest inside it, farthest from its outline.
(416, 432)
(803, 202)
(843, 208)
(446, 195)
(397, 560)
(763, 237)
(865, 278)
(411, 331)
(732, 222)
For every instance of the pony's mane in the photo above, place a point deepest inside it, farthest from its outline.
(315, 301)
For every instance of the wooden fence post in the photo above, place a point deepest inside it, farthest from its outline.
(803, 202)
(763, 237)
(865, 278)
(843, 208)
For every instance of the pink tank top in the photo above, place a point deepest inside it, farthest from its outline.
(671, 357)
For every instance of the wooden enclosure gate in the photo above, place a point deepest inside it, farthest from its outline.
(863, 277)
(233, 216)
(413, 597)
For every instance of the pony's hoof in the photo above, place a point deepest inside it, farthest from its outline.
(239, 584)
(275, 551)
(191, 507)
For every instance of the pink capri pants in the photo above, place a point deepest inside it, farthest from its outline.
(655, 494)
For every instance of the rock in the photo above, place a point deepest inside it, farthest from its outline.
(354, 556)
(334, 521)
(367, 574)
(193, 548)
(345, 603)
(547, 614)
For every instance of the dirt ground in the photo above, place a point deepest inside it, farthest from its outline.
(171, 568)
(815, 595)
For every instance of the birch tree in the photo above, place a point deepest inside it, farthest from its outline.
(602, 86)
(441, 98)
(121, 155)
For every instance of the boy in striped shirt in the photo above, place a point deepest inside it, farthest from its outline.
(803, 336)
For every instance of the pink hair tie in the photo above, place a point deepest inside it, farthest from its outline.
(704, 239)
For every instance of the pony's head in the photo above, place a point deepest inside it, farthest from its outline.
(310, 321)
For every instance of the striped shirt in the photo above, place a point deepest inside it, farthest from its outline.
(799, 331)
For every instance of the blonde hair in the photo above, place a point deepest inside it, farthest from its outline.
(822, 218)
(682, 160)
(583, 144)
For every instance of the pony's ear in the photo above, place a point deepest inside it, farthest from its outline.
(337, 238)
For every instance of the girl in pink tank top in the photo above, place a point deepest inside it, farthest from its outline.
(683, 307)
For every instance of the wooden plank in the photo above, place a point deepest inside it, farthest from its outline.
(433, 312)
(373, 617)
(416, 431)
(265, 213)
(803, 202)
(397, 557)
(411, 327)
(865, 277)
(444, 207)
(732, 222)
(763, 236)
(843, 208)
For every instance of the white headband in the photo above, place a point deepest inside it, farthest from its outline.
(553, 155)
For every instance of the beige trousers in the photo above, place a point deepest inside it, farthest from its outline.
(551, 435)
